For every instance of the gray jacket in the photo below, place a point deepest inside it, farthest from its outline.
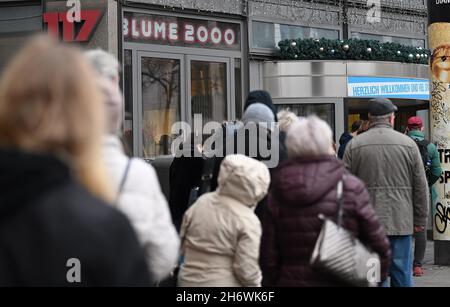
(391, 166)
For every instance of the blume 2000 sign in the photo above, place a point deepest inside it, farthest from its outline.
(180, 31)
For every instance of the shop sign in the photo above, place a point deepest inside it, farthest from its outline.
(406, 88)
(72, 30)
(178, 31)
(73, 20)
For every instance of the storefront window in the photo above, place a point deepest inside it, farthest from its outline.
(183, 66)
(17, 24)
(267, 35)
(263, 34)
(209, 90)
(395, 39)
(293, 32)
(160, 104)
(324, 111)
(128, 101)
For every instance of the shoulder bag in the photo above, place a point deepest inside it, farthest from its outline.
(339, 253)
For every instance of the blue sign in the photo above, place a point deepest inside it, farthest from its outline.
(406, 88)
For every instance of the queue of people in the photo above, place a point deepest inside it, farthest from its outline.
(71, 198)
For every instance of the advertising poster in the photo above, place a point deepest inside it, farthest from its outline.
(439, 44)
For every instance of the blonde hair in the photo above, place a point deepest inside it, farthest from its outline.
(309, 137)
(50, 103)
(285, 119)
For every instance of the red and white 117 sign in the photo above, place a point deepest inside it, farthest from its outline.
(72, 30)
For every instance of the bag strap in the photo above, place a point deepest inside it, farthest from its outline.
(207, 174)
(340, 201)
(123, 180)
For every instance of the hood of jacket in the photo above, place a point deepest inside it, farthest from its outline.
(416, 134)
(304, 181)
(345, 138)
(243, 179)
(24, 177)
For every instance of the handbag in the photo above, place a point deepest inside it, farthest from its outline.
(339, 253)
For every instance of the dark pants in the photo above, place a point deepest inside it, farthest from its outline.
(420, 246)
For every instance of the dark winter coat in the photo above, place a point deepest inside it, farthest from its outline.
(264, 137)
(343, 140)
(302, 189)
(46, 219)
(185, 174)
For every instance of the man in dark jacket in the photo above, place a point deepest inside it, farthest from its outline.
(260, 96)
(258, 138)
(434, 170)
(390, 165)
(185, 175)
(54, 233)
(254, 97)
(346, 137)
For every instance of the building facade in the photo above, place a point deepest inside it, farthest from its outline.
(187, 57)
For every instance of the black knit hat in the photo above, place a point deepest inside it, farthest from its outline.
(263, 97)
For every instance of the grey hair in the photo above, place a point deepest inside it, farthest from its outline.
(104, 63)
(106, 67)
(285, 119)
(309, 137)
(381, 119)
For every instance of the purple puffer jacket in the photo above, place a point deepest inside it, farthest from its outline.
(302, 189)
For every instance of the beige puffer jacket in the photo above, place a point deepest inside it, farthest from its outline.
(220, 233)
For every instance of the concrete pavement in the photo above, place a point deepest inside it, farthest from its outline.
(435, 275)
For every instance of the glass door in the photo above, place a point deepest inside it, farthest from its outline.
(160, 96)
(208, 88)
(174, 87)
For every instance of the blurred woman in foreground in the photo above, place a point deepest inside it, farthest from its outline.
(55, 227)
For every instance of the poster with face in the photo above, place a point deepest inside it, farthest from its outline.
(439, 43)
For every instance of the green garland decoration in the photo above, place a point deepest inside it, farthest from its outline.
(351, 49)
